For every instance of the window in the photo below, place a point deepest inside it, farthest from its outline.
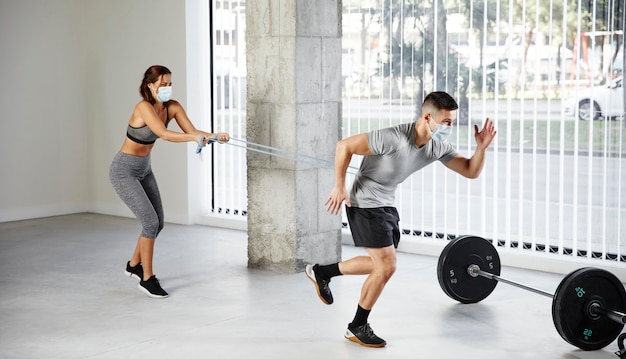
(547, 72)
(229, 196)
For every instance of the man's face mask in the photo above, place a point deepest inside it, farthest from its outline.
(441, 133)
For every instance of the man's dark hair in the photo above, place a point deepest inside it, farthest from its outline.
(441, 101)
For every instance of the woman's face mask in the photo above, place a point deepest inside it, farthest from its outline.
(164, 93)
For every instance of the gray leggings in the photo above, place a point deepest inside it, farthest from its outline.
(133, 180)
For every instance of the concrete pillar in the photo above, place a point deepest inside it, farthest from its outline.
(293, 52)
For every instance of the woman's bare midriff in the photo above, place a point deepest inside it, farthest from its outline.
(136, 149)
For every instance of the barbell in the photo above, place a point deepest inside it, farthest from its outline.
(587, 307)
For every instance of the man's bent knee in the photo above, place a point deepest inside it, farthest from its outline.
(384, 265)
(388, 269)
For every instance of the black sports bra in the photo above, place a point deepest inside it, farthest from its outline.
(144, 134)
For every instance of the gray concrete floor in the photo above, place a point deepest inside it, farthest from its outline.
(63, 294)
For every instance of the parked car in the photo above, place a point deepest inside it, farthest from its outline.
(605, 101)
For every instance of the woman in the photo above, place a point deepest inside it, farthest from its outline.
(131, 174)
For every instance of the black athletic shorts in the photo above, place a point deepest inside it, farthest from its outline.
(374, 227)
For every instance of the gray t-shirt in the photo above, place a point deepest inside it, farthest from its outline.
(394, 158)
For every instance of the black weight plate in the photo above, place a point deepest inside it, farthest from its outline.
(454, 260)
(570, 308)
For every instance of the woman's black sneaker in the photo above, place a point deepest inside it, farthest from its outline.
(152, 288)
(134, 272)
(365, 336)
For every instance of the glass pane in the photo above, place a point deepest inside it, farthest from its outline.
(548, 73)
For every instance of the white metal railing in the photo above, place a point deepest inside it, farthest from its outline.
(229, 195)
(553, 183)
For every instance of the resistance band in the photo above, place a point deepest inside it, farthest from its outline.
(276, 152)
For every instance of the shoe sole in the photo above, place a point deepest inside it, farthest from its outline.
(317, 287)
(354, 339)
(150, 294)
(132, 275)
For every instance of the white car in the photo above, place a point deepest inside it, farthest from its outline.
(605, 101)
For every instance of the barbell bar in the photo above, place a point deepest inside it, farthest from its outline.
(587, 307)
(474, 270)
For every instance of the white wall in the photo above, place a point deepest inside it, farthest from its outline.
(70, 73)
(43, 165)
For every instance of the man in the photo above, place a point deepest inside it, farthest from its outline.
(390, 156)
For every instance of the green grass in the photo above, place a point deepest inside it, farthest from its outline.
(597, 136)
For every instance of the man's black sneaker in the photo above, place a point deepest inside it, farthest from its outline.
(321, 285)
(134, 272)
(152, 288)
(365, 336)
